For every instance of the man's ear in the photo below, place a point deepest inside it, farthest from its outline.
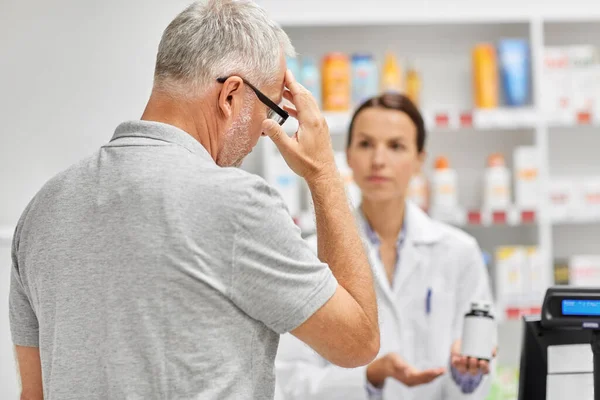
(231, 96)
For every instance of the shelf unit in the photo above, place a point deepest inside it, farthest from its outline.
(440, 36)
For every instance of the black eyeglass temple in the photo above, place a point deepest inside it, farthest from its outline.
(281, 112)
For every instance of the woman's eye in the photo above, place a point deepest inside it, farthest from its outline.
(397, 146)
(363, 143)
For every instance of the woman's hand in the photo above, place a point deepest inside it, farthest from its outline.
(393, 366)
(464, 364)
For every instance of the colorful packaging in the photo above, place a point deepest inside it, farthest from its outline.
(514, 66)
(294, 66)
(485, 76)
(311, 77)
(364, 78)
(391, 77)
(336, 82)
(413, 84)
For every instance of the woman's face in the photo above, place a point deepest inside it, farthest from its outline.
(383, 153)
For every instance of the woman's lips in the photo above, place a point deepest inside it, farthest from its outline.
(377, 179)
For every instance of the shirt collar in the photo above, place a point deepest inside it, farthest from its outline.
(373, 237)
(160, 131)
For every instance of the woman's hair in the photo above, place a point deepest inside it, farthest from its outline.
(398, 102)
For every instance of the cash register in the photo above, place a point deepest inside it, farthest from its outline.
(560, 356)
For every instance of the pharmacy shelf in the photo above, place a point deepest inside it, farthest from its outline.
(478, 119)
(460, 218)
(483, 218)
(336, 12)
(576, 220)
(574, 119)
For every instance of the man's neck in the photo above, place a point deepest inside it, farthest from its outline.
(185, 116)
(385, 217)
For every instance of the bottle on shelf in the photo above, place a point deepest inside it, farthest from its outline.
(418, 191)
(311, 77)
(413, 84)
(497, 193)
(336, 82)
(514, 62)
(364, 78)
(485, 76)
(444, 189)
(294, 66)
(391, 76)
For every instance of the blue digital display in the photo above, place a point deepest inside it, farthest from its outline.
(581, 308)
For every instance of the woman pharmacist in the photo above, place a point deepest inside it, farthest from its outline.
(427, 274)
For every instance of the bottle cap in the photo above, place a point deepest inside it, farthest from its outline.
(496, 160)
(442, 163)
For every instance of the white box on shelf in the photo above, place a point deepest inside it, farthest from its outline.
(584, 270)
(584, 68)
(537, 277)
(511, 270)
(563, 199)
(280, 176)
(589, 199)
(526, 164)
(557, 86)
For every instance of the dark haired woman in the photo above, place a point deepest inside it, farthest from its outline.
(427, 275)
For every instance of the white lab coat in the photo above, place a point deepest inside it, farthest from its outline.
(434, 256)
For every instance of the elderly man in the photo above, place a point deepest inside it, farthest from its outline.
(154, 270)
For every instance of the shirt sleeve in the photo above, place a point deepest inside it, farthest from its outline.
(276, 277)
(23, 320)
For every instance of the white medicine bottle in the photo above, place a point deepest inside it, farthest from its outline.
(444, 187)
(418, 191)
(497, 192)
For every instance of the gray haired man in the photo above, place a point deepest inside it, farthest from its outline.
(154, 270)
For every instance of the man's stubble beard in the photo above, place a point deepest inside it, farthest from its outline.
(237, 140)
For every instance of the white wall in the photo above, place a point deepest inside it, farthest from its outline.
(8, 376)
(70, 71)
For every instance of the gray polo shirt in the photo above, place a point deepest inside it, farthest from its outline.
(148, 272)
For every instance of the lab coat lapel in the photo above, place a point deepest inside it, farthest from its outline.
(410, 261)
(421, 232)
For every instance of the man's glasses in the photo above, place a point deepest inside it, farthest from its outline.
(275, 112)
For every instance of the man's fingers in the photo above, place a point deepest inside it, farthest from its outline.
(277, 135)
(292, 84)
(292, 111)
(473, 364)
(460, 363)
(484, 367)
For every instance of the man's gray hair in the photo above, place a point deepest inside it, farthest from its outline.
(217, 38)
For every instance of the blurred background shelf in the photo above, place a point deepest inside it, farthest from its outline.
(6, 234)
